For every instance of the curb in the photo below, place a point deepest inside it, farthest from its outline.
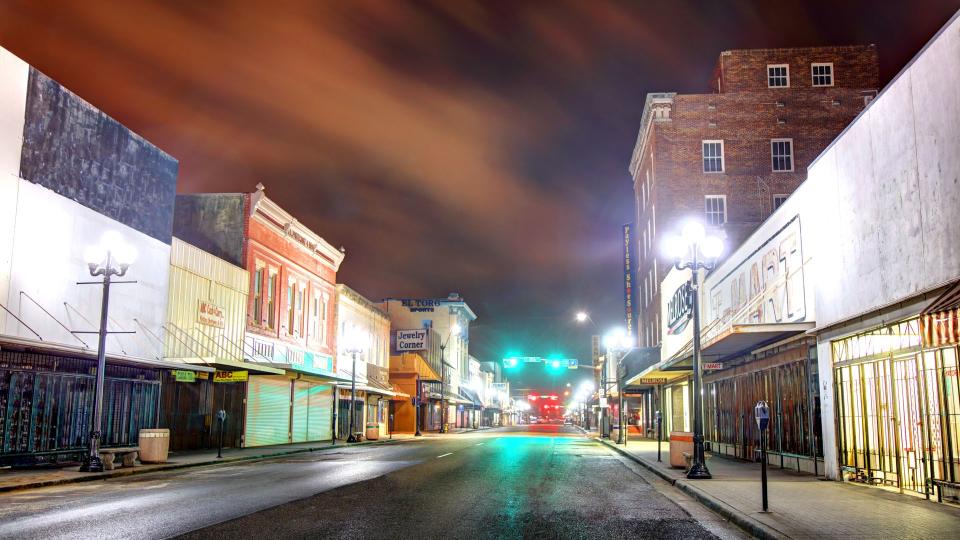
(117, 473)
(745, 522)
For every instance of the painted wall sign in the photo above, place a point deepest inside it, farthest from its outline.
(628, 278)
(767, 287)
(182, 375)
(230, 376)
(412, 340)
(210, 315)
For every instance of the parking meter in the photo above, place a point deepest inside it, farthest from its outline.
(659, 419)
(762, 414)
(222, 417)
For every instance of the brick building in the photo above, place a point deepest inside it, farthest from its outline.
(732, 156)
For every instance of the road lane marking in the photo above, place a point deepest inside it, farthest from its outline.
(478, 444)
(445, 455)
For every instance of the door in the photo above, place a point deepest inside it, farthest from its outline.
(268, 410)
(311, 411)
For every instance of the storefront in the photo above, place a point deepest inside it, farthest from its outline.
(289, 408)
(898, 405)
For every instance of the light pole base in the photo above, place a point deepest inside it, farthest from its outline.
(418, 434)
(352, 438)
(92, 464)
(698, 471)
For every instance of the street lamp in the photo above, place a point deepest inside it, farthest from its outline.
(112, 257)
(617, 340)
(695, 250)
(355, 342)
(454, 331)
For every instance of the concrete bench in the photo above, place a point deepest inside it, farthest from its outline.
(128, 455)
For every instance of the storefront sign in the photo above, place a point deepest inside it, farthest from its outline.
(412, 340)
(628, 277)
(595, 349)
(653, 380)
(420, 306)
(767, 287)
(679, 309)
(230, 376)
(210, 315)
(713, 365)
(182, 375)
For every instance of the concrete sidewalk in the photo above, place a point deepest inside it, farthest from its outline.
(801, 505)
(16, 479)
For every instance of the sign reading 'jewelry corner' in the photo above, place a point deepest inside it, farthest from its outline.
(412, 340)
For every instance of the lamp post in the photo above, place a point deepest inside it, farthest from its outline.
(454, 331)
(356, 342)
(111, 258)
(417, 399)
(616, 341)
(695, 250)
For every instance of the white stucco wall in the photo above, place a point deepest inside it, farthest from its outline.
(51, 236)
(13, 102)
(373, 321)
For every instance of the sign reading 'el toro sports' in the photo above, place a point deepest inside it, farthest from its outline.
(412, 340)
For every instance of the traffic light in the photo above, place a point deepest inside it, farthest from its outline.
(509, 363)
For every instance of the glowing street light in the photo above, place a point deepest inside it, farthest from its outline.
(111, 257)
(695, 249)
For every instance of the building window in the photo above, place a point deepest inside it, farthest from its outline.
(315, 319)
(712, 156)
(290, 309)
(716, 209)
(299, 321)
(258, 295)
(272, 301)
(822, 74)
(778, 75)
(778, 200)
(323, 321)
(781, 152)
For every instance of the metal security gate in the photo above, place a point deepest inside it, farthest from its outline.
(46, 404)
(268, 410)
(312, 414)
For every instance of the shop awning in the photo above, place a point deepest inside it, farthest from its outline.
(43, 347)
(371, 389)
(743, 338)
(471, 396)
(225, 364)
(940, 321)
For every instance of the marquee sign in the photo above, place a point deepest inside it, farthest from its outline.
(628, 277)
(679, 309)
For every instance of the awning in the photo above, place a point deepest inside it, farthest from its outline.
(371, 389)
(471, 396)
(43, 347)
(940, 321)
(744, 338)
(225, 364)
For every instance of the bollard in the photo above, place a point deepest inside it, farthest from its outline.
(222, 417)
(391, 427)
(762, 414)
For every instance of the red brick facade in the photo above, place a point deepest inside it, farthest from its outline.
(668, 163)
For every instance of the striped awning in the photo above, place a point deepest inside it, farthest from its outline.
(940, 321)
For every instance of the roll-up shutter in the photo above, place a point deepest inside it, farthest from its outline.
(312, 406)
(268, 410)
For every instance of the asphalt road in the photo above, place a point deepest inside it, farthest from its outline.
(541, 481)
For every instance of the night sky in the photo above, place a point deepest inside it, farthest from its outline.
(477, 147)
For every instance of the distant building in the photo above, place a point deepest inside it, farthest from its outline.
(730, 157)
(420, 326)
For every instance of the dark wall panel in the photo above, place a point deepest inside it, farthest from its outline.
(81, 153)
(212, 222)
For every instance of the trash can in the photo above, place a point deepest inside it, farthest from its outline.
(154, 445)
(615, 433)
(373, 431)
(680, 442)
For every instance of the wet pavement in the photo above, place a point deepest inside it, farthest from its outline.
(541, 481)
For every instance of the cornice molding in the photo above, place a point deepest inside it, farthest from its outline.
(269, 213)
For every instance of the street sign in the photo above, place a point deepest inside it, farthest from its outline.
(572, 363)
(230, 376)
(713, 365)
(182, 375)
(528, 359)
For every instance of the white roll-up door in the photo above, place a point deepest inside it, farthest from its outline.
(312, 411)
(268, 410)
